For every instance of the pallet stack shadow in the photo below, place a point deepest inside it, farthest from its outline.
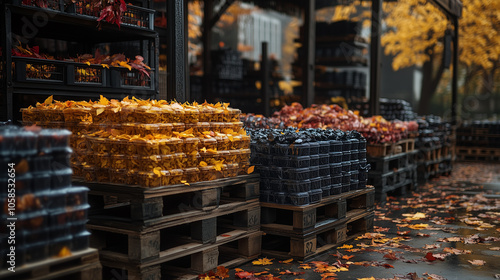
(50, 235)
(313, 189)
(479, 140)
(436, 148)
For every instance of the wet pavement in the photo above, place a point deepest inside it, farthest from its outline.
(448, 229)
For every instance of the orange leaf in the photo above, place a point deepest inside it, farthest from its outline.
(48, 100)
(287, 261)
(477, 262)
(64, 252)
(346, 257)
(250, 169)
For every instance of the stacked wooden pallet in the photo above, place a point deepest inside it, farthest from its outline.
(83, 265)
(435, 161)
(304, 232)
(170, 231)
(393, 169)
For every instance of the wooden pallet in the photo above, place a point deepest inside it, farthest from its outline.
(229, 249)
(142, 244)
(382, 180)
(285, 243)
(387, 149)
(304, 219)
(146, 205)
(478, 151)
(395, 190)
(81, 265)
(390, 163)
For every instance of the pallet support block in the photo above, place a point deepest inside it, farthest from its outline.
(204, 230)
(205, 260)
(247, 191)
(247, 219)
(144, 246)
(207, 199)
(148, 273)
(302, 247)
(335, 236)
(150, 208)
(304, 219)
(250, 246)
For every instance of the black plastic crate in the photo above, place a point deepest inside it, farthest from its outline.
(302, 149)
(326, 191)
(299, 162)
(335, 168)
(315, 183)
(346, 166)
(314, 160)
(314, 148)
(336, 179)
(346, 155)
(335, 146)
(265, 184)
(266, 196)
(57, 5)
(354, 165)
(276, 185)
(335, 157)
(294, 186)
(324, 170)
(275, 172)
(336, 189)
(299, 199)
(280, 197)
(324, 147)
(279, 149)
(297, 173)
(324, 159)
(314, 171)
(264, 171)
(139, 17)
(315, 195)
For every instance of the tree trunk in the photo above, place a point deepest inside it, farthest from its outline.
(430, 82)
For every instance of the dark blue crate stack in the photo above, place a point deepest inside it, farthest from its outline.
(304, 173)
(51, 213)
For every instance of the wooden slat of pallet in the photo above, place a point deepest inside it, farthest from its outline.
(305, 219)
(81, 264)
(103, 223)
(118, 260)
(387, 149)
(307, 247)
(136, 192)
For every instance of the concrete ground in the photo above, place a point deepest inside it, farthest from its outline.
(447, 229)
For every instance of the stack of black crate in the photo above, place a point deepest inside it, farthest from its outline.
(50, 214)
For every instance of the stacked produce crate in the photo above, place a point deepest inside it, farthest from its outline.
(43, 216)
(436, 147)
(313, 189)
(479, 140)
(168, 185)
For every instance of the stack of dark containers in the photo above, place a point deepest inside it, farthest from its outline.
(390, 109)
(51, 213)
(300, 167)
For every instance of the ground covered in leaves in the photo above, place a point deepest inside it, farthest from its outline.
(447, 229)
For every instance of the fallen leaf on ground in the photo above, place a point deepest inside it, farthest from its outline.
(495, 248)
(263, 261)
(430, 257)
(477, 262)
(287, 261)
(391, 256)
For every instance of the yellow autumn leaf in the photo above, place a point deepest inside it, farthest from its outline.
(203, 164)
(48, 100)
(345, 246)
(218, 165)
(125, 64)
(99, 111)
(64, 252)
(103, 100)
(105, 66)
(371, 278)
(263, 261)
(157, 171)
(185, 182)
(287, 261)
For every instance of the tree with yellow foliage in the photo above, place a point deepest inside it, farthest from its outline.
(415, 37)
